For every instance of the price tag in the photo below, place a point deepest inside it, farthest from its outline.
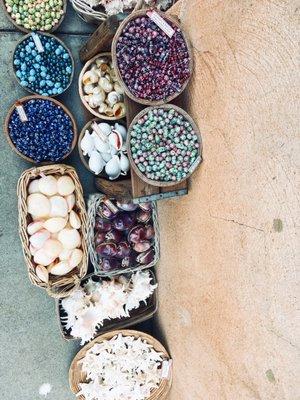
(21, 112)
(161, 23)
(165, 371)
(37, 42)
(99, 132)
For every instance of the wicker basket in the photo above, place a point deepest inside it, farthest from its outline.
(22, 29)
(132, 16)
(132, 163)
(58, 286)
(81, 93)
(62, 44)
(25, 100)
(143, 313)
(76, 375)
(93, 204)
(88, 14)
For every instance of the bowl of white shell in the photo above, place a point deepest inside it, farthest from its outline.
(99, 89)
(102, 148)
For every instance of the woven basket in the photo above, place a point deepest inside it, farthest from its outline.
(143, 313)
(58, 286)
(93, 204)
(25, 100)
(62, 44)
(132, 163)
(132, 16)
(22, 29)
(87, 13)
(76, 375)
(81, 92)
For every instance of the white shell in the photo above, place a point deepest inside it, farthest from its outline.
(118, 88)
(59, 207)
(32, 249)
(70, 238)
(52, 248)
(115, 139)
(95, 100)
(109, 112)
(112, 98)
(33, 186)
(74, 220)
(87, 144)
(105, 128)
(118, 109)
(89, 77)
(48, 185)
(39, 238)
(42, 258)
(38, 205)
(106, 156)
(61, 268)
(76, 258)
(106, 85)
(34, 227)
(65, 185)
(42, 273)
(88, 89)
(124, 163)
(96, 162)
(113, 168)
(102, 108)
(65, 254)
(70, 201)
(101, 146)
(56, 224)
(122, 130)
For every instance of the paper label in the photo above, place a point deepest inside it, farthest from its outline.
(161, 23)
(99, 132)
(165, 371)
(37, 42)
(21, 112)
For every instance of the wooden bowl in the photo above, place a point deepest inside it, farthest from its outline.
(22, 29)
(132, 16)
(76, 375)
(25, 100)
(133, 165)
(93, 111)
(62, 44)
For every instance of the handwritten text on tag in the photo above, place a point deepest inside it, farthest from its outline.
(161, 23)
(21, 112)
(37, 42)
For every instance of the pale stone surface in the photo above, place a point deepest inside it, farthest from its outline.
(228, 281)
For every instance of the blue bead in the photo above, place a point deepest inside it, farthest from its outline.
(38, 58)
(23, 67)
(54, 91)
(43, 68)
(58, 51)
(31, 44)
(60, 90)
(28, 49)
(66, 56)
(31, 79)
(34, 53)
(42, 83)
(17, 61)
(36, 66)
(32, 72)
(24, 83)
(43, 74)
(69, 70)
(57, 85)
(19, 74)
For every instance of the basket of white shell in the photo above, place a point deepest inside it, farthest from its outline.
(103, 304)
(100, 90)
(122, 237)
(52, 227)
(102, 148)
(122, 364)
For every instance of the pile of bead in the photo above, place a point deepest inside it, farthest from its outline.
(153, 66)
(48, 70)
(164, 144)
(36, 15)
(48, 133)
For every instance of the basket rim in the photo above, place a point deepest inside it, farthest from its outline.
(165, 383)
(25, 30)
(81, 93)
(23, 38)
(35, 97)
(195, 128)
(168, 17)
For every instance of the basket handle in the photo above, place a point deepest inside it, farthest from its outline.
(63, 291)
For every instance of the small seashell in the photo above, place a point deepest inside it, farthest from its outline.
(124, 163)
(106, 85)
(115, 140)
(59, 207)
(112, 98)
(76, 258)
(74, 220)
(52, 248)
(122, 130)
(102, 108)
(33, 186)
(109, 112)
(42, 258)
(61, 268)
(108, 77)
(56, 224)
(113, 151)
(95, 100)
(118, 110)
(34, 227)
(70, 238)
(96, 162)
(87, 144)
(65, 254)
(89, 77)
(70, 201)
(113, 168)
(106, 157)
(65, 185)
(42, 273)
(118, 88)
(32, 250)
(101, 146)
(38, 205)
(105, 128)
(88, 89)
(101, 61)
(48, 185)
(39, 238)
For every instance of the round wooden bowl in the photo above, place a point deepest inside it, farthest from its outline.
(62, 44)
(22, 29)
(93, 111)
(25, 100)
(134, 15)
(76, 375)
(133, 165)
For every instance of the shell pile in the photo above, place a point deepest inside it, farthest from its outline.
(55, 240)
(96, 302)
(123, 367)
(102, 91)
(105, 146)
(124, 235)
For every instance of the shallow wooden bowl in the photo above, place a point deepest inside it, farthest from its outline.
(25, 100)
